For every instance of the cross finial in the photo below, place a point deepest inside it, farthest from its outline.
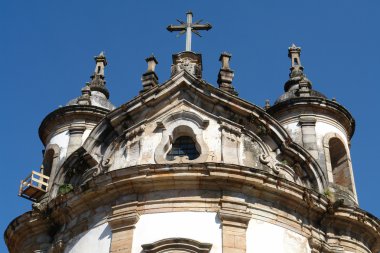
(188, 27)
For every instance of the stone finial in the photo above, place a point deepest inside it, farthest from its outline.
(101, 62)
(86, 94)
(97, 82)
(226, 74)
(294, 54)
(225, 60)
(297, 78)
(149, 78)
(152, 62)
(267, 104)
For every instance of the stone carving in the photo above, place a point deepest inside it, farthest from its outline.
(308, 198)
(270, 162)
(188, 61)
(129, 135)
(176, 245)
(103, 167)
(230, 129)
(188, 65)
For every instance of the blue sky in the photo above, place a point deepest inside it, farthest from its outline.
(48, 47)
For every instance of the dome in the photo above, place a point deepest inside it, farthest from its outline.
(95, 99)
(298, 85)
(95, 92)
(294, 93)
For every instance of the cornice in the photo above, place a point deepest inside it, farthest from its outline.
(320, 104)
(107, 189)
(60, 119)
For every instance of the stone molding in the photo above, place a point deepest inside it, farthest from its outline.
(59, 120)
(193, 127)
(21, 235)
(177, 244)
(320, 105)
(234, 213)
(123, 217)
(262, 186)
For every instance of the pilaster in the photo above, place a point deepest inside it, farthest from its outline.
(309, 137)
(122, 222)
(75, 141)
(234, 218)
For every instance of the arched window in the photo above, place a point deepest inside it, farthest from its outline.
(183, 146)
(340, 166)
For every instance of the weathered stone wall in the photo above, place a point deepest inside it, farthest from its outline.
(313, 130)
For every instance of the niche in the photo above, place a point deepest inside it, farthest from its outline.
(340, 165)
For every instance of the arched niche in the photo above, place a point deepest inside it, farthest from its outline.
(338, 162)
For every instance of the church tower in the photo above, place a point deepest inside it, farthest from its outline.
(321, 126)
(186, 166)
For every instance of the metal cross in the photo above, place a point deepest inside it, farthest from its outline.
(189, 27)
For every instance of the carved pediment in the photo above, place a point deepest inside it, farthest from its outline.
(221, 129)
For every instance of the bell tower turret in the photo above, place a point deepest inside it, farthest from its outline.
(322, 126)
(65, 129)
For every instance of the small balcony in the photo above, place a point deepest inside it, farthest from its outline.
(34, 186)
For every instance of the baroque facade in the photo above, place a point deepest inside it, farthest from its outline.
(189, 167)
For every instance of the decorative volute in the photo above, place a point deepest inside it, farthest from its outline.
(226, 74)
(149, 78)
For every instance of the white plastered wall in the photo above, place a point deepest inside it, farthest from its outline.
(86, 133)
(62, 140)
(200, 226)
(323, 128)
(95, 240)
(263, 237)
(294, 130)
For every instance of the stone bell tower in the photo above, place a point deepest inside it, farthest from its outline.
(320, 125)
